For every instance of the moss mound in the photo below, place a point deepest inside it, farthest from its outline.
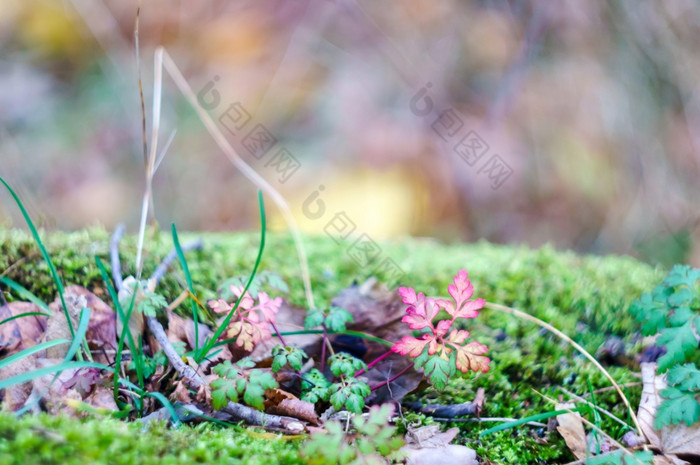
(585, 296)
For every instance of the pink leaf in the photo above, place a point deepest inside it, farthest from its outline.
(420, 314)
(443, 327)
(470, 358)
(411, 346)
(462, 288)
(220, 306)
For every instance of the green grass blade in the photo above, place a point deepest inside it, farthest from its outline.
(22, 315)
(30, 375)
(168, 406)
(32, 350)
(540, 416)
(80, 334)
(263, 227)
(126, 331)
(193, 304)
(25, 294)
(44, 253)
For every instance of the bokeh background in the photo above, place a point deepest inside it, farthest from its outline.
(592, 107)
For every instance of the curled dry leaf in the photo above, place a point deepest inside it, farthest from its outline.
(57, 326)
(571, 429)
(279, 402)
(671, 440)
(20, 333)
(428, 445)
(15, 396)
(101, 333)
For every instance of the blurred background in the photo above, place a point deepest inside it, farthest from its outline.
(522, 121)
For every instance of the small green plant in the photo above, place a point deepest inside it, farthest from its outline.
(287, 356)
(239, 380)
(332, 319)
(672, 310)
(371, 441)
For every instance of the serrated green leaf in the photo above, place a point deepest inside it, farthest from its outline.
(337, 319)
(682, 297)
(686, 377)
(679, 343)
(245, 362)
(682, 275)
(651, 310)
(354, 403)
(343, 364)
(314, 318)
(226, 370)
(438, 370)
(223, 390)
(678, 406)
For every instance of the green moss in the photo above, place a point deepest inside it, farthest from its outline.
(585, 296)
(45, 439)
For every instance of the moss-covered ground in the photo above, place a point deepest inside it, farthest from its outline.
(585, 296)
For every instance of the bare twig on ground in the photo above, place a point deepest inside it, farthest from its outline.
(167, 261)
(192, 379)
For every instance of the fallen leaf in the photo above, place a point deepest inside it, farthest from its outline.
(102, 398)
(16, 395)
(671, 440)
(20, 333)
(571, 429)
(101, 333)
(428, 445)
(57, 326)
(429, 436)
(279, 402)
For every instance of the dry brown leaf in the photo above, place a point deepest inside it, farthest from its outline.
(428, 446)
(571, 429)
(54, 393)
(20, 333)
(57, 324)
(430, 436)
(102, 398)
(671, 440)
(101, 333)
(279, 402)
(15, 396)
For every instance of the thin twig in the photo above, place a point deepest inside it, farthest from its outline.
(194, 381)
(170, 258)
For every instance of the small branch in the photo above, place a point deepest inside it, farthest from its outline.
(194, 381)
(114, 255)
(450, 411)
(167, 261)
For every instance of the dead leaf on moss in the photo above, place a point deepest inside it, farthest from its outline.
(15, 396)
(102, 398)
(571, 429)
(57, 325)
(20, 333)
(101, 332)
(428, 445)
(671, 440)
(279, 402)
